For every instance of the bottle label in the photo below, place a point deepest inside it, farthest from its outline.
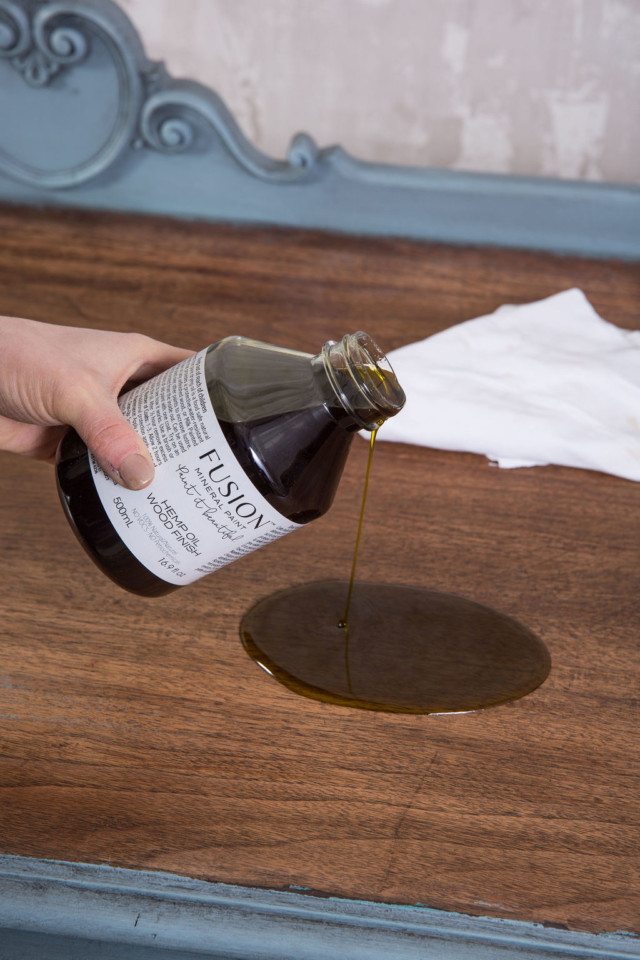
(201, 511)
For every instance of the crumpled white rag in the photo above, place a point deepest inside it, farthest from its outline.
(546, 382)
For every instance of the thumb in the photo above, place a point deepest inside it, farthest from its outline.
(115, 444)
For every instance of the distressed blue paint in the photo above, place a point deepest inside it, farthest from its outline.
(119, 910)
(595, 220)
(111, 130)
(19, 945)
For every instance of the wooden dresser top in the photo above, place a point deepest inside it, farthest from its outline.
(138, 733)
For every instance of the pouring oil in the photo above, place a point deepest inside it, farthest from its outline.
(394, 648)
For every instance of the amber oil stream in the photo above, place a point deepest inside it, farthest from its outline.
(399, 649)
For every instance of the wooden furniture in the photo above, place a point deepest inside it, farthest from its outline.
(137, 733)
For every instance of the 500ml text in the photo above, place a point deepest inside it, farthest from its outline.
(122, 510)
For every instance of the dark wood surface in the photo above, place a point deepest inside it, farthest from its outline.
(138, 733)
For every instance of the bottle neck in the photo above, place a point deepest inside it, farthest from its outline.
(362, 379)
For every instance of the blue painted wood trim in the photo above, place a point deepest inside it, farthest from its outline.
(126, 913)
(86, 120)
(591, 220)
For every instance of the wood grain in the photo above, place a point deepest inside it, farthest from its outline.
(138, 733)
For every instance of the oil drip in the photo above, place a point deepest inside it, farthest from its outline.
(344, 623)
(399, 649)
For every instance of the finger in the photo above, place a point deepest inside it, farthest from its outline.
(117, 447)
(99, 422)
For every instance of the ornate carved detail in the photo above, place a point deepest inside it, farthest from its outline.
(171, 117)
(15, 32)
(38, 49)
(41, 37)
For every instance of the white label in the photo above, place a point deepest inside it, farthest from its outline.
(200, 511)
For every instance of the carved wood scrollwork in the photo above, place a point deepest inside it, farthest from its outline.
(43, 39)
(38, 47)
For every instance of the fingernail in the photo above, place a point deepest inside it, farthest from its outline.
(136, 471)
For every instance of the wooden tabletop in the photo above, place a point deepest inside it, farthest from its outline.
(138, 733)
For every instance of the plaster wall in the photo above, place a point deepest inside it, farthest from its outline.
(533, 87)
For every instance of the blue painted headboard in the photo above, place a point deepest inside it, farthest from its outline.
(86, 119)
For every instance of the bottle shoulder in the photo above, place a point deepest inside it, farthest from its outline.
(249, 380)
(282, 422)
(295, 459)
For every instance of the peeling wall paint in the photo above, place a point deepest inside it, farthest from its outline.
(533, 87)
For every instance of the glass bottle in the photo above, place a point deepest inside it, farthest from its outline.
(249, 442)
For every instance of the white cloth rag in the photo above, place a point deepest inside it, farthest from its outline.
(546, 382)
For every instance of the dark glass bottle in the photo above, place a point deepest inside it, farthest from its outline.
(249, 441)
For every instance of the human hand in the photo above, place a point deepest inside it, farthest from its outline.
(52, 377)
